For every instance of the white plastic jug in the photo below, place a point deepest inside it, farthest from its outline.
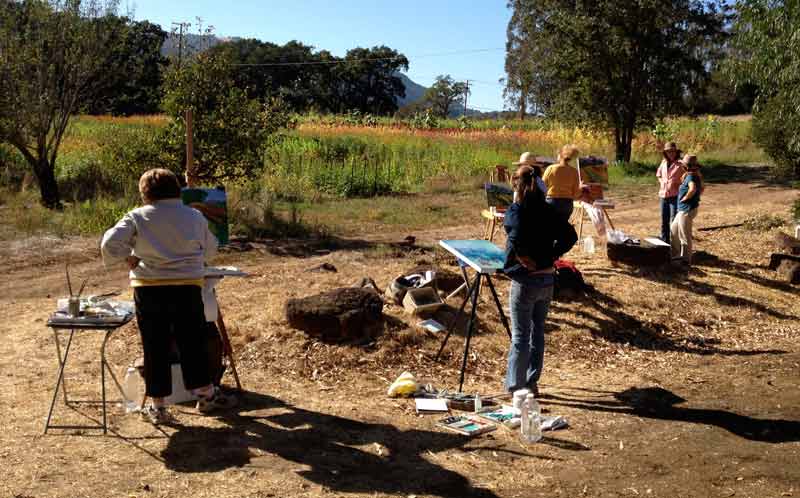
(588, 245)
(133, 388)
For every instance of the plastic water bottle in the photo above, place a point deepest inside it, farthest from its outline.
(524, 425)
(588, 245)
(132, 387)
(478, 403)
(534, 420)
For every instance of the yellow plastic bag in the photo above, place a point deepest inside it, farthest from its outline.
(405, 385)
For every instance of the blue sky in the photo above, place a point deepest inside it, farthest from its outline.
(419, 29)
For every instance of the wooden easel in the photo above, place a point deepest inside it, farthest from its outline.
(191, 181)
(583, 215)
(577, 204)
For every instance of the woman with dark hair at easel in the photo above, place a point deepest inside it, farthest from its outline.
(536, 236)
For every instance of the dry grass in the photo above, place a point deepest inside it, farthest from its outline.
(720, 342)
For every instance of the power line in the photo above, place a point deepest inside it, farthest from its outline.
(370, 59)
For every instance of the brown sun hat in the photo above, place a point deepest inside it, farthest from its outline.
(671, 146)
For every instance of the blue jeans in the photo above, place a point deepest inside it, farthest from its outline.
(529, 301)
(563, 207)
(669, 207)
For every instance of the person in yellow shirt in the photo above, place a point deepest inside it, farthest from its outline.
(563, 185)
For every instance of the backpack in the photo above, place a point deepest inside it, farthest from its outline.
(568, 279)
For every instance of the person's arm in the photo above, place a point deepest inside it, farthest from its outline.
(118, 241)
(512, 224)
(566, 237)
(690, 193)
(548, 172)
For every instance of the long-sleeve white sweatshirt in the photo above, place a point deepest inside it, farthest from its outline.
(172, 241)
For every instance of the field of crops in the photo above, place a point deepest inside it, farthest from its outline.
(331, 159)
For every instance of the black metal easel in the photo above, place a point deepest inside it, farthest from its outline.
(474, 291)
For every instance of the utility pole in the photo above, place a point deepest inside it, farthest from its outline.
(181, 26)
(466, 94)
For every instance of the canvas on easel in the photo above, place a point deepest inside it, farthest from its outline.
(213, 203)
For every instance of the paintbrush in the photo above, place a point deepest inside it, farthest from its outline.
(69, 282)
(83, 286)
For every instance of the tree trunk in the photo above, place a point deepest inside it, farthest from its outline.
(618, 147)
(45, 175)
(522, 105)
(624, 141)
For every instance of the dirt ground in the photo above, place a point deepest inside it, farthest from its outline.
(673, 384)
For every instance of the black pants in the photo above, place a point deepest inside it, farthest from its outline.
(167, 313)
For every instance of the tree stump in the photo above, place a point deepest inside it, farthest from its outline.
(644, 254)
(341, 314)
(788, 243)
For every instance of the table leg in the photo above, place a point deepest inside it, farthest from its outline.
(60, 361)
(62, 364)
(108, 366)
(470, 326)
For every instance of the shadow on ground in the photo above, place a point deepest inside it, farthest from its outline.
(603, 317)
(661, 404)
(340, 453)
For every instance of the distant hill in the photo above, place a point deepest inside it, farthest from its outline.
(414, 91)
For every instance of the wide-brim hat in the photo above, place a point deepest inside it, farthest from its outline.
(528, 159)
(671, 146)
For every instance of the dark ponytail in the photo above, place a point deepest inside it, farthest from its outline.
(523, 182)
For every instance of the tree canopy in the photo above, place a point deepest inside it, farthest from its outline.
(365, 79)
(615, 65)
(444, 95)
(54, 55)
(135, 69)
(766, 54)
(230, 129)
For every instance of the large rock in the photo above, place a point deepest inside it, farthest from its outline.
(341, 314)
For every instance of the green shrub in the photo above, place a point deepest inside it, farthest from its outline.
(253, 213)
(763, 222)
(776, 130)
(127, 155)
(95, 216)
(12, 167)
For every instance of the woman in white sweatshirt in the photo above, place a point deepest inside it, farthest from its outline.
(166, 244)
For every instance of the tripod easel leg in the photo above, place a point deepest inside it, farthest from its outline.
(227, 348)
(476, 291)
(611, 223)
(455, 317)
